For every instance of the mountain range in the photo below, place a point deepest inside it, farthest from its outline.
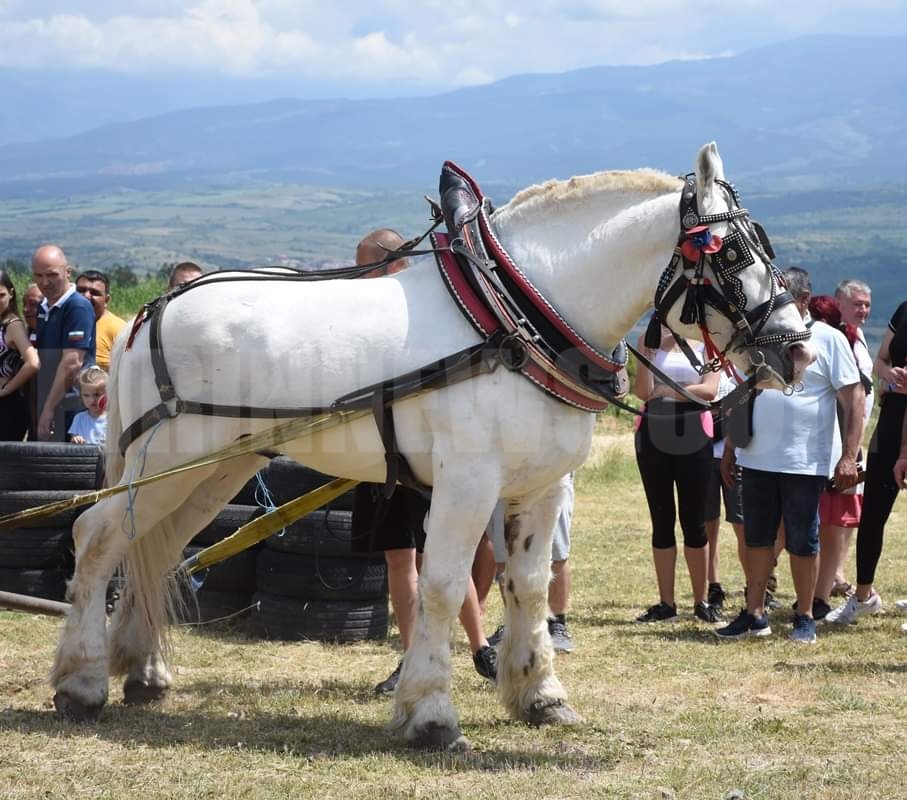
(806, 114)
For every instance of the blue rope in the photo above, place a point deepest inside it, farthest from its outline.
(265, 499)
(132, 493)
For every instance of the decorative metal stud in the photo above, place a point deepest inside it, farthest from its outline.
(731, 255)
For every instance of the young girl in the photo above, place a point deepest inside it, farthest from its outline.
(18, 364)
(90, 426)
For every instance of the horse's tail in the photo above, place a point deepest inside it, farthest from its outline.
(153, 597)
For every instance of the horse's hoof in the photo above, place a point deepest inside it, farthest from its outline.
(74, 709)
(437, 737)
(552, 712)
(140, 693)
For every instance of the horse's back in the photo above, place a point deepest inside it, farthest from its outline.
(275, 342)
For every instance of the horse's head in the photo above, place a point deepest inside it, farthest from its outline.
(722, 286)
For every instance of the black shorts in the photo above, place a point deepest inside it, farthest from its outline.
(380, 524)
(733, 497)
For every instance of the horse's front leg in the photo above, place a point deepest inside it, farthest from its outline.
(527, 684)
(460, 509)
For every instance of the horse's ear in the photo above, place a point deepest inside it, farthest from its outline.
(709, 167)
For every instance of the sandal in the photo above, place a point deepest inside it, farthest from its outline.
(843, 589)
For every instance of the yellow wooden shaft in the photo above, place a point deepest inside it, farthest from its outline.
(269, 523)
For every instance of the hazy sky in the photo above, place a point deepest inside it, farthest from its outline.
(431, 44)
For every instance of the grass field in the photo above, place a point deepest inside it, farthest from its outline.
(670, 712)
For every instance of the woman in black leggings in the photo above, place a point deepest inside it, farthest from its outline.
(674, 449)
(880, 490)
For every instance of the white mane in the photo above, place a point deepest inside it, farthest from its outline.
(638, 181)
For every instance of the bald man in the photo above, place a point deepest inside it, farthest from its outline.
(183, 273)
(65, 338)
(375, 246)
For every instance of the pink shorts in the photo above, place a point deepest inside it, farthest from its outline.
(842, 510)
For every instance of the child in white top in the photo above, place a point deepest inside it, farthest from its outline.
(90, 426)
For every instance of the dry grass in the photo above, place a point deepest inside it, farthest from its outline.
(670, 711)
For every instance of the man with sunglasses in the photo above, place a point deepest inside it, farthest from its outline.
(94, 286)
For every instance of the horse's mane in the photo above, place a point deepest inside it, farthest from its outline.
(643, 181)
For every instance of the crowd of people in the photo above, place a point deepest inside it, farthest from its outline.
(55, 354)
(788, 466)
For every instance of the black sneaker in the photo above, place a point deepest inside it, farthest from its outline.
(495, 639)
(560, 636)
(660, 612)
(706, 612)
(745, 625)
(820, 608)
(389, 684)
(486, 662)
(716, 596)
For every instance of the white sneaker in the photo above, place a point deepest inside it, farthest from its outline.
(901, 606)
(853, 609)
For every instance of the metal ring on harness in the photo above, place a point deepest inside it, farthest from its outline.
(512, 352)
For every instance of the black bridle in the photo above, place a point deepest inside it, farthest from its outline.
(685, 278)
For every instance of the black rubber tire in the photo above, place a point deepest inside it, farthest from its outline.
(49, 465)
(235, 575)
(276, 617)
(225, 523)
(208, 606)
(47, 583)
(287, 479)
(11, 502)
(35, 547)
(328, 534)
(312, 578)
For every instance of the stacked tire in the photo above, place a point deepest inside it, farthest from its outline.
(224, 590)
(312, 581)
(36, 558)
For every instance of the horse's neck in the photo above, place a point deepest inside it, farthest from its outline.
(600, 277)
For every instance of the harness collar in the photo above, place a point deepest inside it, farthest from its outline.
(496, 296)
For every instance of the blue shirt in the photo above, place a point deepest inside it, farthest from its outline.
(92, 429)
(67, 325)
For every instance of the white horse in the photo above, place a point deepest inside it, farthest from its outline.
(595, 246)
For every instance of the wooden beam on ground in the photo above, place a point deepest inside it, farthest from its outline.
(34, 605)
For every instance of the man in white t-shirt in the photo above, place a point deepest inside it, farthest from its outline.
(796, 447)
(855, 301)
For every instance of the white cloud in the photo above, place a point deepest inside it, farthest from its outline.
(472, 76)
(434, 43)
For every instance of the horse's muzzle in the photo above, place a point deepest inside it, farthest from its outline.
(781, 366)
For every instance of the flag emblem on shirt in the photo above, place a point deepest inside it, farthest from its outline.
(75, 336)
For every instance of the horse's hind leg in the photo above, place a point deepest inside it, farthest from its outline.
(527, 684)
(137, 641)
(117, 526)
(423, 709)
(80, 671)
